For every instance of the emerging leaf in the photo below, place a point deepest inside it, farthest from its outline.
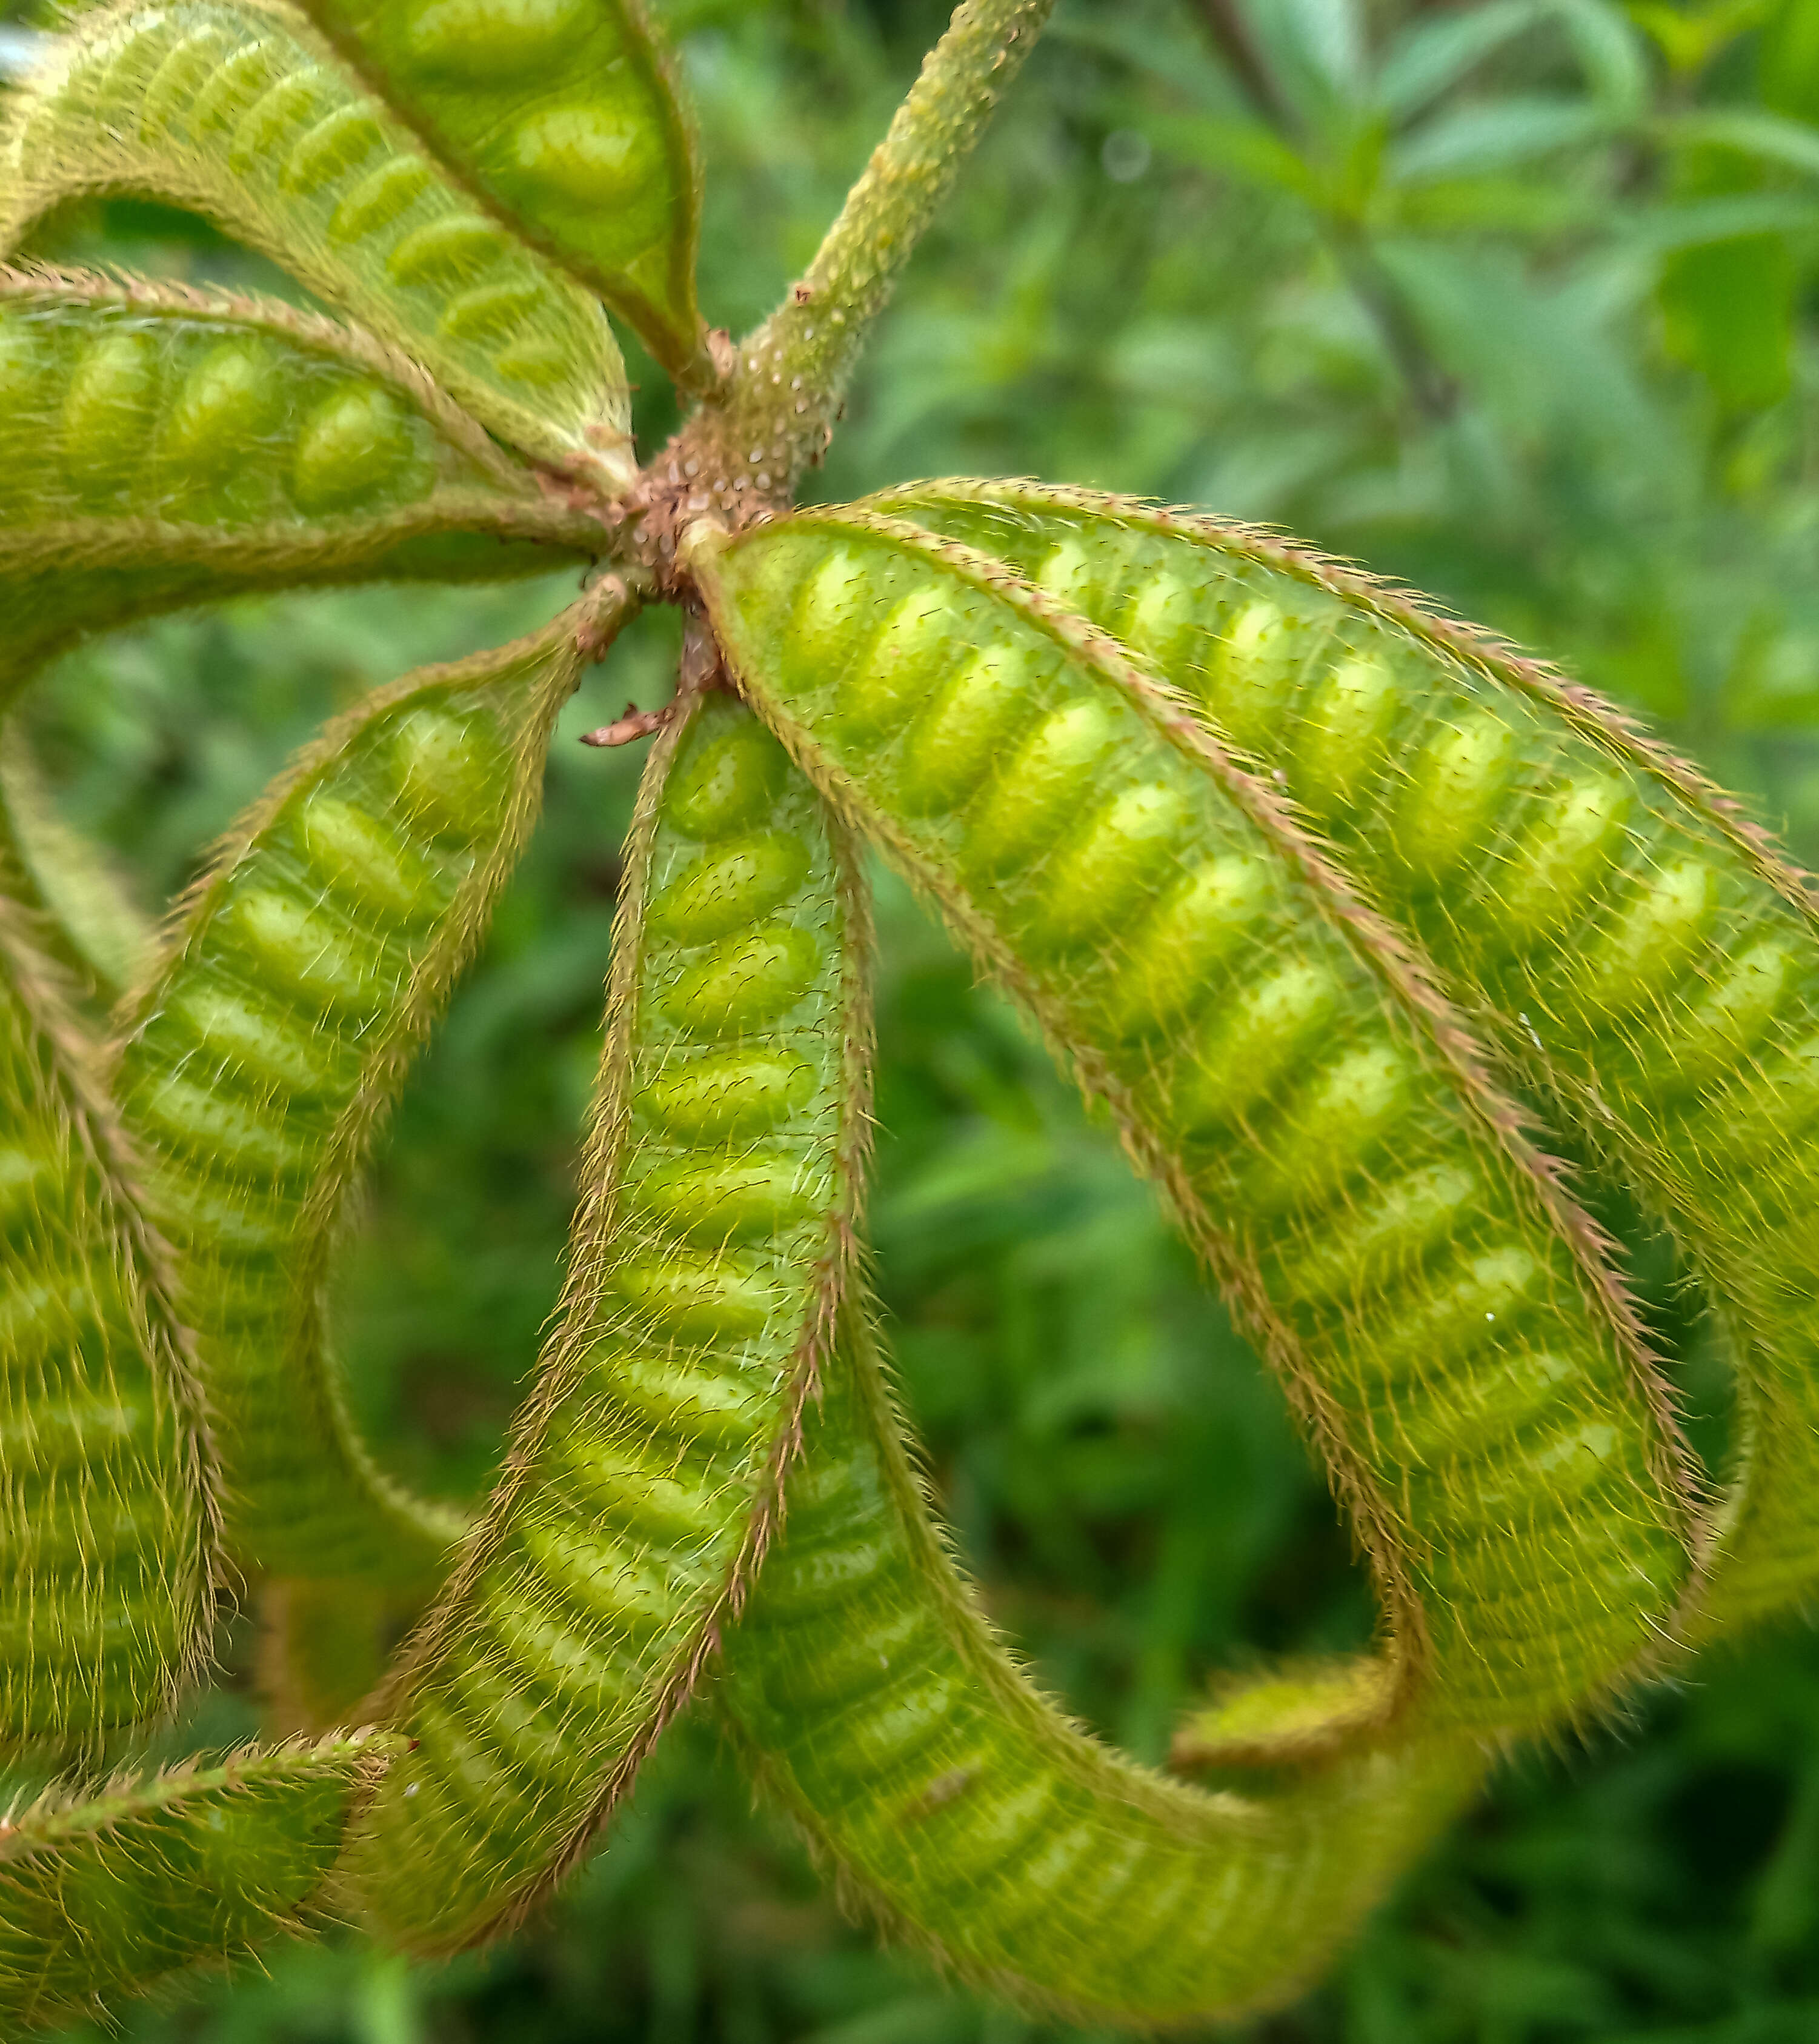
(1636, 945)
(1439, 1311)
(709, 1253)
(303, 974)
(106, 1527)
(869, 1695)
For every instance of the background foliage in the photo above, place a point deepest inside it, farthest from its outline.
(1514, 300)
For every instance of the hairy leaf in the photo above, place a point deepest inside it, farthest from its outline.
(303, 973)
(711, 1246)
(106, 1519)
(241, 112)
(562, 117)
(1438, 1310)
(84, 914)
(869, 1695)
(158, 447)
(100, 1898)
(1638, 946)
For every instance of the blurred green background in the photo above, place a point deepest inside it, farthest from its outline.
(1516, 301)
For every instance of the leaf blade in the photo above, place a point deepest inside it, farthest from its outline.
(160, 447)
(835, 624)
(172, 103)
(712, 1243)
(102, 1899)
(565, 122)
(108, 1533)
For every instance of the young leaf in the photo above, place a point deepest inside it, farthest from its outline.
(1639, 948)
(1438, 1311)
(100, 1898)
(106, 1525)
(562, 117)
(868, 1695)
(302, 974)
(241, 112)
(712, 1247)
(158, 447)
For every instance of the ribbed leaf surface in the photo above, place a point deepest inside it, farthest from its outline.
(562, 117)
(158, 448)
(242, 113)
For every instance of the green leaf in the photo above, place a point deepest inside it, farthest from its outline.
(1727, 311)
(301, 977)
(712, 1244)
(1610, 54)
(1432, 55)
(562, 117)
(870, 1697)
(1469, 140)
(102, 1898)
(92, 925)
(1637, 947)
(1767, 138)
(1272, 1055)
(158, 448)
(1245, 147)
(1690, 38)
(1787, 59)
(107, 1531)
(241, 113)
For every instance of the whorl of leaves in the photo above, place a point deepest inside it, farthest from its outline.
(1296, 876)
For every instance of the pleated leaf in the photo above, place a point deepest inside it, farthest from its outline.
(1646, 953)
(708, 1256)
(868, 1695)
(102, 1898)
(107, 1516)
(1440, 1313)
(301, 976)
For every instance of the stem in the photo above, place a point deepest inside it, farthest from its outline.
(777, 413)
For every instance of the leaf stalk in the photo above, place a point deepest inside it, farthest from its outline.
(745, 449)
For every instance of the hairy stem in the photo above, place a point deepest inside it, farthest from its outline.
(776, 414)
